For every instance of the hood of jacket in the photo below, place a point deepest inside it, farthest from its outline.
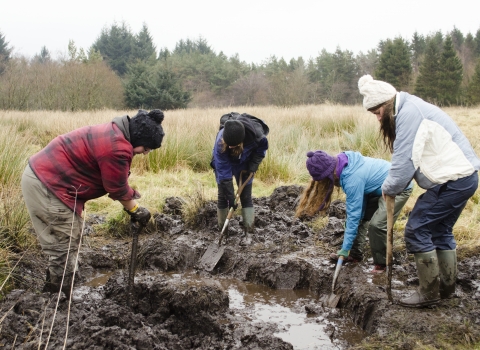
(123, 124)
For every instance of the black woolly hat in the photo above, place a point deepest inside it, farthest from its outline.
(146, 129)
(233, 133)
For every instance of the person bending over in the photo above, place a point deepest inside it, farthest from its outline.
(428, 146)
(241, 144)
(361, 179)
(73, 168)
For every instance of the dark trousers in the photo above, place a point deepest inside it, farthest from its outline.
(245, 197)
(436, 211)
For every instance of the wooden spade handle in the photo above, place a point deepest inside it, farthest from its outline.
(390, 209)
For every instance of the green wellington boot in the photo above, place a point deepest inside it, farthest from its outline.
(248, 215)
(447, 264)
(221, 217)
(428, 271)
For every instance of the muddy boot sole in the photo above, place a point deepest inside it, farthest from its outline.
(420, 305)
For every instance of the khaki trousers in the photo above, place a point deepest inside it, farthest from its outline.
(54, 224)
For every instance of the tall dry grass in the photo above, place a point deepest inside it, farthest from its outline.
(181, 166)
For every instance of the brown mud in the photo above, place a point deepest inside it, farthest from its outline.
(255, 298)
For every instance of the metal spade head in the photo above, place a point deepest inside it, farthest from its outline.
(211, 257)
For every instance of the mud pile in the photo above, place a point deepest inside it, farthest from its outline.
(176, 314)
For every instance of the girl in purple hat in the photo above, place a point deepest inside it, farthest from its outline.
(361, 179)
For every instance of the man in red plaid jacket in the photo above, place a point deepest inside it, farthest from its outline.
(73, 168)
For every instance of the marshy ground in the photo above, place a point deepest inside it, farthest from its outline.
(267, 295)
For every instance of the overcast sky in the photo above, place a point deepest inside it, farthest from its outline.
(255, 30)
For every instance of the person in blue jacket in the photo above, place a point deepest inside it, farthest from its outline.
(241, 144)
(361, 179)
(428, 146)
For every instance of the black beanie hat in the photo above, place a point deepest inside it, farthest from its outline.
(146, 129)
(234, 132)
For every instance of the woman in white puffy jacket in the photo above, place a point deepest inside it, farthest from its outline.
(429, 147)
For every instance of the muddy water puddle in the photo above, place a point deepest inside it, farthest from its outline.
(285, 309)
(99, 279)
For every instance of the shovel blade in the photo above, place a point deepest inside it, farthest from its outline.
(211, 257)
(331, 300)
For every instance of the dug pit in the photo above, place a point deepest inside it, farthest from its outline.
(263, 296)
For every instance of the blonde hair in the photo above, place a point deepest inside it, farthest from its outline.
(316, 194)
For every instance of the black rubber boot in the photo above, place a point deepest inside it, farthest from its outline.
(447, 264)
(427, 292)
(49, 287)
(52, 284)
(67, 285)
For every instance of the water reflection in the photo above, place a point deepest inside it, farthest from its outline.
(285, 309)
(100, 279)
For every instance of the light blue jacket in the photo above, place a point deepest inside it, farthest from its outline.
(361, 178)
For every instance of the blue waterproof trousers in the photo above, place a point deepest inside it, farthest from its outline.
(436, 211)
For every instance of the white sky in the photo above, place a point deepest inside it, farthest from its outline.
(253, 29)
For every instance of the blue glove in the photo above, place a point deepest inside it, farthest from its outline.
(344, 253)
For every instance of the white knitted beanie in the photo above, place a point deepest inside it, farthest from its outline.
(375, 92)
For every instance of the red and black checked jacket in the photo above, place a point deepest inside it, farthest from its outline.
(88, 162)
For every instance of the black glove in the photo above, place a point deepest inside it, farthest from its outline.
(254, 162)
(229, 192)
(140, 215)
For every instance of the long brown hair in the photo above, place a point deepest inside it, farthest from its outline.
(235, 152)
(387, 123)
(313, 196)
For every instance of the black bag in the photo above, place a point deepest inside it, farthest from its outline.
(257, 122)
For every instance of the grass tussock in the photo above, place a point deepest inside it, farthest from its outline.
(14, 219)
(192, 203)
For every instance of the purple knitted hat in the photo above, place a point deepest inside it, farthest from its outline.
(320, 165)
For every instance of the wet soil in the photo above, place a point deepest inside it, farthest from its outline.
(200, 310)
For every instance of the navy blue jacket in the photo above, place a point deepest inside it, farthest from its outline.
(255, 147)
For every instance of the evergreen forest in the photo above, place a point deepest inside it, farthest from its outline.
(123, 69)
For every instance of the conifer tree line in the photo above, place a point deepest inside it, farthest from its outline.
(123, 69)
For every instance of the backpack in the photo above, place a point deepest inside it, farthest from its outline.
(261, 129)
(260, 126)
